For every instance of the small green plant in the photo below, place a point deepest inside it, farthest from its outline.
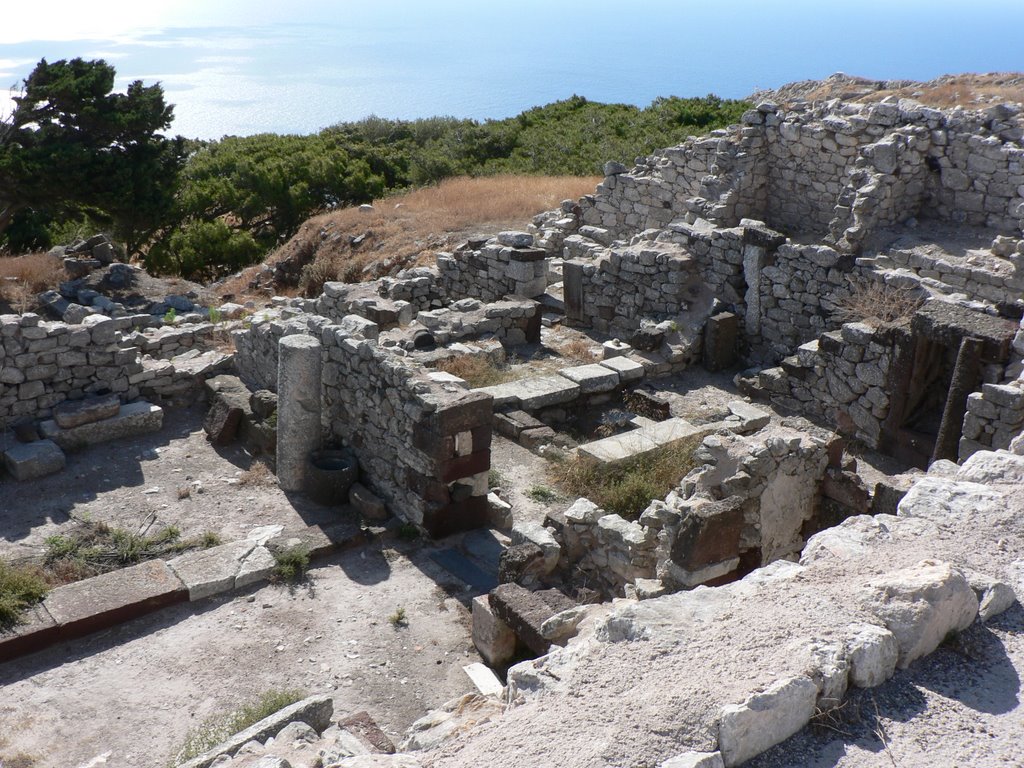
(398, 618)
(408, 532)
(21, 587)
(217, 729)
(170, 316)
(290, 565)
(215, 315)
(210, 539)
(495, 478)
(542, 494)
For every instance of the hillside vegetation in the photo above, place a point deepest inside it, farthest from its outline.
(404, 230)
(222, 205)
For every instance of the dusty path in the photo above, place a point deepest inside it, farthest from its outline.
(134, 691)
(126, 482)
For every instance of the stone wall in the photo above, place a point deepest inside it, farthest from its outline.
(844, 169)
(489, 270)
(512, 322)
(423, 446)
(842, 376)
(995, 416)
(749, 504)
(647, 281)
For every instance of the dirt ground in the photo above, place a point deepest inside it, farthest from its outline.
(133, 692)
(128, 482)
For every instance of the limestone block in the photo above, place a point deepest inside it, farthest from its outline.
(525, 612)
(592, 378)
(994, 596)
(493, 638)
(211, 571)
(513, 239)
(27, 461)
(765, 719)
(920, 605)
(874, 652)
(78, 412)
(255, 567)
(753, 418)
(133, 419)
(366, 503)
(484, 679)
(528, 532)
(562, 626)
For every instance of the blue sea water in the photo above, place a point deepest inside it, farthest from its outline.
(323, 62)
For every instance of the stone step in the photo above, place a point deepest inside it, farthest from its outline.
(133, 419)
(647, 439)
(27, 461)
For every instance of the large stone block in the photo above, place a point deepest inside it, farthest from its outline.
(921, 605)
(26, 461)
(133, 419)
(78, 412)
(765, 719)
(525, 612)
(592, 378)
(298, 408)
(708, 534)
(493, 638)
(113, 598)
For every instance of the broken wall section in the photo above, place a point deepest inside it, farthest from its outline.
(422, 446)
(489, 270)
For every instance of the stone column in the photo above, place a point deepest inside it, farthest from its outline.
(298, 408)
(966, 376)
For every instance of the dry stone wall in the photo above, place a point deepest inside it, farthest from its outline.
(423, 445)
(489, 270)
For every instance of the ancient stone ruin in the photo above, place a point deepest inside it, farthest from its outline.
(859, 267)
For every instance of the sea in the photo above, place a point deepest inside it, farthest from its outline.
(301, 66)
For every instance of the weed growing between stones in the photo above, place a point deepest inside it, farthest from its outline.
(258, 474)
(21, 587)
(495, 478)
(878, 304)
(542, 494)
(219, 728)
(627, 490)
(478, 371)
(290, 566)
(398, 619)
(408, 532)
(95, 548)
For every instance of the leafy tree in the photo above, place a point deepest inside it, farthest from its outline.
(72, 146)
(203, 250)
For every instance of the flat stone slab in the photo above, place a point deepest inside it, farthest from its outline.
(628, 370)
(533, 393)
(27, 461)
(592, 378)
(114, 597)
(133, 419)
(37, 631)
(630, 445)
(75, 413)
(211, 571)
(752, 417)
(484, 679)
(526, 611)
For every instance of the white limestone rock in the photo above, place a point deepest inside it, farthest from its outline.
(695, 760)
(873, 653)
(921, 605)
(765, 719)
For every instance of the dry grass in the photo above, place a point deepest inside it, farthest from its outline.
(628, 488)
(478, 371)
(408, 229)
(22, 277)
(877, 304)
(579, 349)
(258, 476)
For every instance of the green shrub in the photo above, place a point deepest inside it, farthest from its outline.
(21, 587)
(218, 729)
(542, 494)
(290, 565)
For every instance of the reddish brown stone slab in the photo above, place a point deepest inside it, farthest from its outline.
(114, 597)
(38, 631)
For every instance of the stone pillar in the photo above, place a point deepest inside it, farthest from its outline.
(298, 408)
(572, 291)
(753, 263)
(966, 376)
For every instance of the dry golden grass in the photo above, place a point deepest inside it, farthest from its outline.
(258, 476)
(579, 349)
(406, 230)
(880, 305)
(22, 277)
(477, 371)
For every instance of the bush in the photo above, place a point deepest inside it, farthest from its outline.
(21, 587)
(626, 490)
(291, 565)
(218, 729)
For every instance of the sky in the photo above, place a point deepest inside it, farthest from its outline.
(246, 66)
